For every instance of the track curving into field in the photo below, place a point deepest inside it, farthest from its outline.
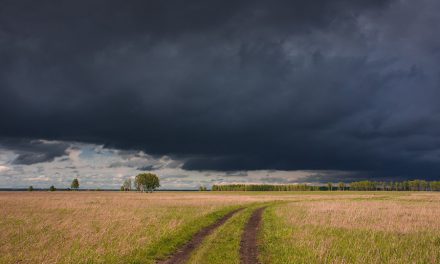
(182, 255)
(248, 245)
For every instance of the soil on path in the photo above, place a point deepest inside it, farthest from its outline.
(182, 255)
(249, 245)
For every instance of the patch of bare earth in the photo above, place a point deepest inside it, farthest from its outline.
(249, 245)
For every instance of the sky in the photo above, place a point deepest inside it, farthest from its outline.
(209, 92)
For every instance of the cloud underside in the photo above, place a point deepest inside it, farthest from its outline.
(250, 85)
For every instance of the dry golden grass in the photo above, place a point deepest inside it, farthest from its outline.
(381, 228)
(65, 227)
(393, 216)
(108, 227)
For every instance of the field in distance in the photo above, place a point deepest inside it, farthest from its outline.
(296, 227)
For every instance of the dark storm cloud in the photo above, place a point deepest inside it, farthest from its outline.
(34, 151)
(322, 85)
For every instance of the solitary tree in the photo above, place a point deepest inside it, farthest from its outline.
(30, 188)
(75, 184)
(146, 182)
(202, 188)
(52, 188)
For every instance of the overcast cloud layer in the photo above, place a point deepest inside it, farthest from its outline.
(319, 86)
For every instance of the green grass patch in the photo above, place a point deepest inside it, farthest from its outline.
(175, 239)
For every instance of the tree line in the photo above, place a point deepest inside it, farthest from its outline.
(265, 187)
(413, 185)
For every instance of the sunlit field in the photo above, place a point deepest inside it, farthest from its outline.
(297, 227)
(383, 229)
(71, 227)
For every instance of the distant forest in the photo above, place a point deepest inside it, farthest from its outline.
(414, 185)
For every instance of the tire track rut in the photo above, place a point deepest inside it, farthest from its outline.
(248, 244)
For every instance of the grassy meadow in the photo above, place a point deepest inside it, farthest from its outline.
(99, 227)
(386, 228)
(298, 227)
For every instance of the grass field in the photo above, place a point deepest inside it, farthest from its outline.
(297, 227)
(382, 229)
